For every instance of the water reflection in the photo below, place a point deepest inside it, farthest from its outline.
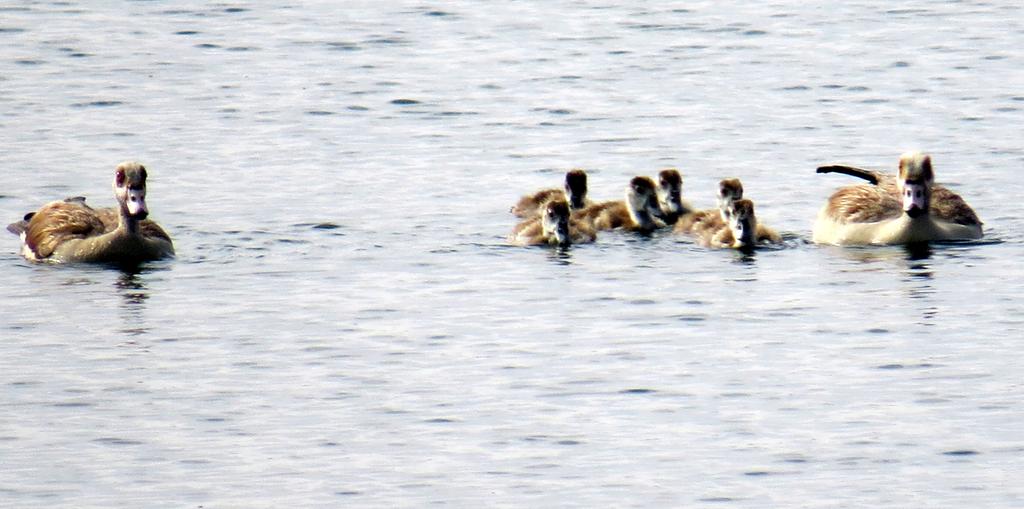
(920, 290)
(746, 255)
(560, 255)
(873, 254)
(913, 265)
(919, 275)
(918, 251)
(134, 294)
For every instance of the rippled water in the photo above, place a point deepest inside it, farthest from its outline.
(345, 326)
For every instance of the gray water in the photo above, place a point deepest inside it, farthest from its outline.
(345, 326)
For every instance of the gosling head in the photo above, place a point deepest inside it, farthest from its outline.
(555, 222)
(670, 191)
(642, 201)
(743, 223)
(729, 190)
(130, 189)
(576, 189)
(915, 181)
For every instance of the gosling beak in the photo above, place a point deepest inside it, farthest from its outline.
(562, 233)
(654, 208)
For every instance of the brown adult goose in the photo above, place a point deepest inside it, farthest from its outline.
(71, 231)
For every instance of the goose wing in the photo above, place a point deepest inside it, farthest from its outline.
(864, 203)
(58, 222)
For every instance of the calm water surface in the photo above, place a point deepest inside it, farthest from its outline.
(345, 326)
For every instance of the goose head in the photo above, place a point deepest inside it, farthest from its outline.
(555, 222)
(130, 189)
(576, 189)
(729, 190)
(915, 181)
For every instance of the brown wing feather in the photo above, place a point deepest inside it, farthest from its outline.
(949, 206)
(867, 203)
(110, 217)
(151, 230)
(58, 222)
(864, 203)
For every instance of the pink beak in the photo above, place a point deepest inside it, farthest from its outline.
(914, 203)
(136, 203)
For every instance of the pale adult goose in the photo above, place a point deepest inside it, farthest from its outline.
(902, 210)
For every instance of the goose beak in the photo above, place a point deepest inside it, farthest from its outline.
(136, 203)
(914, 203)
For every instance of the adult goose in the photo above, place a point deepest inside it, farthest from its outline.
(906, 209)
(71, 231)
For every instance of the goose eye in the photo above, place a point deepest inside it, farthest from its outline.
(119, 178)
